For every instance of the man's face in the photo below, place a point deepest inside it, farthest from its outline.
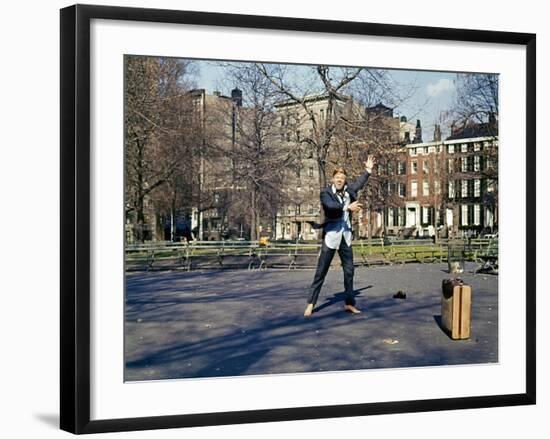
(339, 180)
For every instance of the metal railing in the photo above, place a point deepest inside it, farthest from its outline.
(298, 254)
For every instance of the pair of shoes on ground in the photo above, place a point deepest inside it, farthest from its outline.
(349, 308)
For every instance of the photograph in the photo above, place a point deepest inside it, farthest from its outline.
(242, 180)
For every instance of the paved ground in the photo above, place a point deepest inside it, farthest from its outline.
(239, 322)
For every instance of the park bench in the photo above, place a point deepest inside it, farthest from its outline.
(483, 249)
(303, 253)
(487, 256)
(231, 254)
(413, 254)
(147, 255)
(416, 251)
(289, 255)
(292, 255)
(195, 254)
(373, 252)
(220, 254)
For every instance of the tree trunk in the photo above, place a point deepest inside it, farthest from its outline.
(254, 219)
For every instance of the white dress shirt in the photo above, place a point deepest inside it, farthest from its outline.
(334, 231)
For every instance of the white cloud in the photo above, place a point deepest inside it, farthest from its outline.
(439, 87)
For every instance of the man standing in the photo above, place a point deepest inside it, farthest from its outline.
(339, 201)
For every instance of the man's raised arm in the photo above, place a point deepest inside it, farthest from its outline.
(358, 184)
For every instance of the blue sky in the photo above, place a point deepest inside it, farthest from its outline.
(432, 92)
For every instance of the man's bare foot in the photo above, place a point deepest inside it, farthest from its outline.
(352, 309)
(309, 310)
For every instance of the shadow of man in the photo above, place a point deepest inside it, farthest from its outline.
(340, 297)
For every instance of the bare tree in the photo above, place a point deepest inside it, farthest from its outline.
(333, 82)
(349, 126)
(475, 114)
(158, 132)
(370, 127)
(258, 159)
(476, 97)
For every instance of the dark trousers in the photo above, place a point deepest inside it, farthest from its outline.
(346, 256)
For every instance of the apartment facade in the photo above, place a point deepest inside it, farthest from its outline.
(450, 188)
(300, 209)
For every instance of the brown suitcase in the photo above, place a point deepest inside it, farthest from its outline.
(456, 307)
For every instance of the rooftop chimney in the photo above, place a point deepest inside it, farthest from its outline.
(237, 97)
(437, 133)
(418, 133)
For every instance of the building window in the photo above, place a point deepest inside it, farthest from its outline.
(425, 188)
(310, 171)
(477, 146)
(288, 229)
(413, 151)
(464, 189)
(389, 188)
(450, 165)
(426, 150)
(425, 218)
(477, 217)
(490, 186)
(298, 208)
(437, 187)
(322, 114)
(401, 190)
(464, 215)
(464, 147)
(289, 210)
(413, 189)
(477, 162)
(450, 149)
(310, 208)
(390, 217)
(414, 167)
(464, 164)
(425, 166)
(477, 187)
(401, 167)
(401, 221)
(451, 189)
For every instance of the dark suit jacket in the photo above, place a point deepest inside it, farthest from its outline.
(333, 207)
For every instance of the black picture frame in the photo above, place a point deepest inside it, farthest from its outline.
(75, 218)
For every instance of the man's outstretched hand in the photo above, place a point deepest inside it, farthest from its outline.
(369, 164)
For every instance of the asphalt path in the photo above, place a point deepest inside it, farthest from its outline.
(237, 322)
